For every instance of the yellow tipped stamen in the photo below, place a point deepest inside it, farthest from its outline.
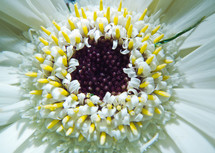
(53, 106)
(162, 93)
(39, 58)
(118, 107)
(55, 83)
(98, 119)
(45, 30)
(69, 131)
(102, 138)
(157, 110)
(108, 120)
(125, 13)
(156, 75)
(117, 33)
(60, 128)
(80, 138)
(146, 37)
(46, 67)
(48, 52)
(128, 98)
(128, 22)
(49, 96)
(149, 59)
(146, 112)
(43, 80)
(64, 92)
(52, 124)
(64, 60)
(66, 37)
(168, 61)
(83, 13)
(139, 124)
(101, 5)
(74, 97)
(108, 14)
(140, 70)
(94, 16)
(89, 103)
(82, 119)
(143, 30)
(151, 97)
(155, 29)
(101, 27)
(72, 25)
(36, 92)
(115, 20)
(120, 6)
(130, 44)
(160, 67)
(31, 74)
(165, 77)
(92, 128)
(61, 52)
(130, 29)
(109, 106)
(55, 39)
(133, 59)
(131, 112)
(133, 128)
(56, 25)
(143, 15)
(77, 40)
(141, 99)
(158, 38)
(64, 73)
(143, 48)
(46, 43)
(66, 119)
(76, 10)
(76, 110)
(85, 30)
(121, 128)
(157, 50)
(144, 84)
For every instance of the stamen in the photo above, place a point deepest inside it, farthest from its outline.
(121, 128)
(60, 51)
(141, 99)
(118, 107)
(76, 110)
(130, 29)
(108, 14)
(158, 38)
(133, 128)
(130, 44)
(101, 5)
(31, 74)
(157, 110)
(36, 92)
(52, 124)
(64, 73)
(80, 138)
(128, 98)
(39, 58)
(108, 120)
(89, 103)
(162, 93)
(146, 112)
(98, 119)
(146, 37)
(46, 67)
(60, 129)
(66, 119)
(133, 59)
(101, 27)
(48, 52)
(102, 138)
(85, 30)
(168, 61)
(144, 84)
(82, 119)
(43, 81)
(92, 128)
(128, 22)
(46, 43)
(139, 124)
(74, 97)
(160, 67)
(83, 13)
(77, 39)
(117, 33)
(66, 37)
(109, 106)
(143, 30)
(131, 112)
(115, 20)
(165, 77)
(151, 97)
(143, 15)
(140, 70)
(55, 83)
(143, 48)
(156, 75)
(64, 60)
(149, 60)
(49, 96)
(155, 30)
(157, 50)
(64, 92)
(45, 30)
(69, 131)
(94, 16)
(55, 39)
(72, 25)
(120, 6)
(125, 12)
(76, 11)
(56, 25)
(53, 106)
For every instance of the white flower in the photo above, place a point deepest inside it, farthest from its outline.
(107, 76)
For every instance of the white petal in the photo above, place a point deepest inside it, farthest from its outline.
(187, 138)
(10, 59)
(7, 75)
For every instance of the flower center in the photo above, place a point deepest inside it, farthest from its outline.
(100, 68)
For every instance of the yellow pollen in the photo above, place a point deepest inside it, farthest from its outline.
(77, 39)
(94, 15)
(92, 128)
(108, 14)
(101, 5)
(144, 84)
(115, 20)
(55, 83)
(157, 50)
(43, 80)
(72, 25)
(82, 119)
(66, 37)
(128, 22)
(165, 77)
(31, 74)
(125, 13)
(133, 128)
(146, 112)
(46, 43)
(53, 106)
(49, 96)
(108, 120)
(64, 72)
(101, 27)
(149, 59)
(155, 29)
(74, 97)
(85, 30)
(48, 52)
(162, 93)
(151, 97)
(156, 75)
(69, 131)
(140, 70)
(128, 98)
(143, 30)
(157, 110)
(55, 39)
(98, 119)
(89, 103)
(160, 67)
(109, 106)
(76, 10)
(130, 29)
(118, 107)
(64, 92)
(143, 15)
(131, 112)
(66, 119)
(52, 124)
(130, 44)
(102, 138)
(146, 37)
(60, 128)
(61, 52)
(80, 138)
(121, 128)
(64, 60)
(46, 67)
(83, 13)
(143, 48)
(158, 38)
(117, 33)
(120, 6)
(168, 61)
(36, 92)
(39, 58)
(56, 25)
(45, 30)
(76, 110)
(133, 59)
(139, 124)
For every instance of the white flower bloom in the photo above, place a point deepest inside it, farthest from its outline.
(99, 76)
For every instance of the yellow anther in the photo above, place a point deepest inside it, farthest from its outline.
(83, 13)
(88, 95)
(118, 107)
(121, 128)
(64, 72)
(64, 60)
(43, 80)
(130, 29)
(128, 98)
(76, 10)
(160, 67)
(69, 131)
(125, 13)
(101, 27)
(76, 110)
(140, 70)
(108, 120)
(158, 38)
(109, 106)
(64, 92)
(66, 119)
(80, 138)
(133, 59)
(157, 110)
(46, 67)
(162, 93)
(117, 33)
(166, 77)
(45, 30)
(31, 74)
(89, 103)
(120, 6)
(151, 97)
(74, 97)
(156, 75)
(168, 61)
(53, 106)
(102, 138)
(115, 20)
(130, 44)
(72, 25)
(143, 48)
(39, 58)
(61, 52)
(149, 59)
(39, 107)
(48, 52)
(146, 112)
(133, 128)
(66, 37)
(108, 14)
(144, 84)
(52, 124)
(141, 99)
(143, 30)
(45, 42)
(85, 30)
(146, 37)
(77, 39)
(157, 50)
(92, 128)
(36, 92)
(139, 124)
(60, 128)
(55, 39)
(94, 15)
(132, 112)
(55, 83)
(128, 22)
(98, 119)
(155, 29)
(49, 96)
(56, 25)
(101, 5)
(143, 15)
(82, 119)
